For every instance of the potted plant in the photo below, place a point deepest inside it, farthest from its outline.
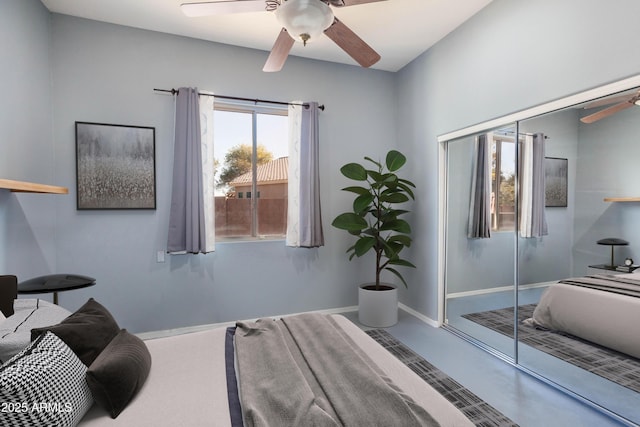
(378, 226)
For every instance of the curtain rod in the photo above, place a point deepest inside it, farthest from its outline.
(519, 133)
(237, 98)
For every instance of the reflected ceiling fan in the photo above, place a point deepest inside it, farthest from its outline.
(302, 20)
(620, 102)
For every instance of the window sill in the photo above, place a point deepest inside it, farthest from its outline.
(226, 240)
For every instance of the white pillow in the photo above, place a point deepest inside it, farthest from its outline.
(44, 385)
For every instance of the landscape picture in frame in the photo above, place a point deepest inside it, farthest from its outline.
(556, 178)
(115, 166)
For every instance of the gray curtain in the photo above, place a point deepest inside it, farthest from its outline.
(479, 226)
(311, 235)
(304, 219)
(533, 220)
(186, 217)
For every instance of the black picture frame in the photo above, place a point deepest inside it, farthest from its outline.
(556, 172)
(115, 166)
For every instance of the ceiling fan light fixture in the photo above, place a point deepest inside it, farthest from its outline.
(304, 19)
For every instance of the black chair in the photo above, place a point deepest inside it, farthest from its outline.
(8, 293)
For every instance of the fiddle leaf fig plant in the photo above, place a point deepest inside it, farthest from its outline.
(375, 219)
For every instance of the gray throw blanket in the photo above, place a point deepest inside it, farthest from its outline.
(305, 371)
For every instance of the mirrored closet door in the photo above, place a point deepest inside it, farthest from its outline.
(480, 244)
(524, 267)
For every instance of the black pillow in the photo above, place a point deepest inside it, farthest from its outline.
(87, 331)
(119, 372)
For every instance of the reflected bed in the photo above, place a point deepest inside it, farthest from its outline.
(603, 309)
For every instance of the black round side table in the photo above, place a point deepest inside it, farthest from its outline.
(55, 283)
(612, 241)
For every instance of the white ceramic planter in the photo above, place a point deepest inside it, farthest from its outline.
(378, 309)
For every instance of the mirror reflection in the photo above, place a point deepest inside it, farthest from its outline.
(480, 248)
(541, 224)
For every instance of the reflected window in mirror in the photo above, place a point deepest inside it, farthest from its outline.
(503, 181)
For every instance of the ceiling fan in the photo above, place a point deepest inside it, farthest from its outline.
(302, 20)
(620, 102)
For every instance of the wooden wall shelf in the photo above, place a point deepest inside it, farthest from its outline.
(622, 199)
(31, 187)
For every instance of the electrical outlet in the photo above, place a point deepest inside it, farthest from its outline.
(160, 256)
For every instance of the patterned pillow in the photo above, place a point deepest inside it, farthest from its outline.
(44, 385)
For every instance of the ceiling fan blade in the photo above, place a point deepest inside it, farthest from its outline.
(222, 7)
(352, 44)
(342, 3)
(608, 101)
(279, 52)
(606, 112)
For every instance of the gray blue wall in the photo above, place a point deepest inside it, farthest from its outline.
(607, 166)
(511, 56)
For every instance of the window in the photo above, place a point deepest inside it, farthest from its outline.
(503, 178)
(251, 158)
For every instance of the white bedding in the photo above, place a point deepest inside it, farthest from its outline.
(605, 318)
(15, 331)
(187, 383)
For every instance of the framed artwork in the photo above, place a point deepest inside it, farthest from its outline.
(115, 166)
(556, 173)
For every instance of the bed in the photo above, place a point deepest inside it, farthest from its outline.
(331, 373)
(603, 309)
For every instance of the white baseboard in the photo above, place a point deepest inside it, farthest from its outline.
(198, 328)
(429, 321)
(499, 289)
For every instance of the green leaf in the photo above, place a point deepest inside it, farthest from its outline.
(402, 262)
(406, 181)
(354, 171)
(357, 190)
(376, 176)
(350, 222)
(402, 239)
(373, 161)
(391, 250)
(390, 178)
(362, 202)
(406, 189)
(364, 244)
(388, 215)
(399, 225)
(398, 212)
(395, 160)
(393, 197)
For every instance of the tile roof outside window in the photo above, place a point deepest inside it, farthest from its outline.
(272, 172)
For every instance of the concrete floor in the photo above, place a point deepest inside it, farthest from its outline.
(520, 396)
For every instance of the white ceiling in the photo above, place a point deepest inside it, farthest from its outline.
(399, 30)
